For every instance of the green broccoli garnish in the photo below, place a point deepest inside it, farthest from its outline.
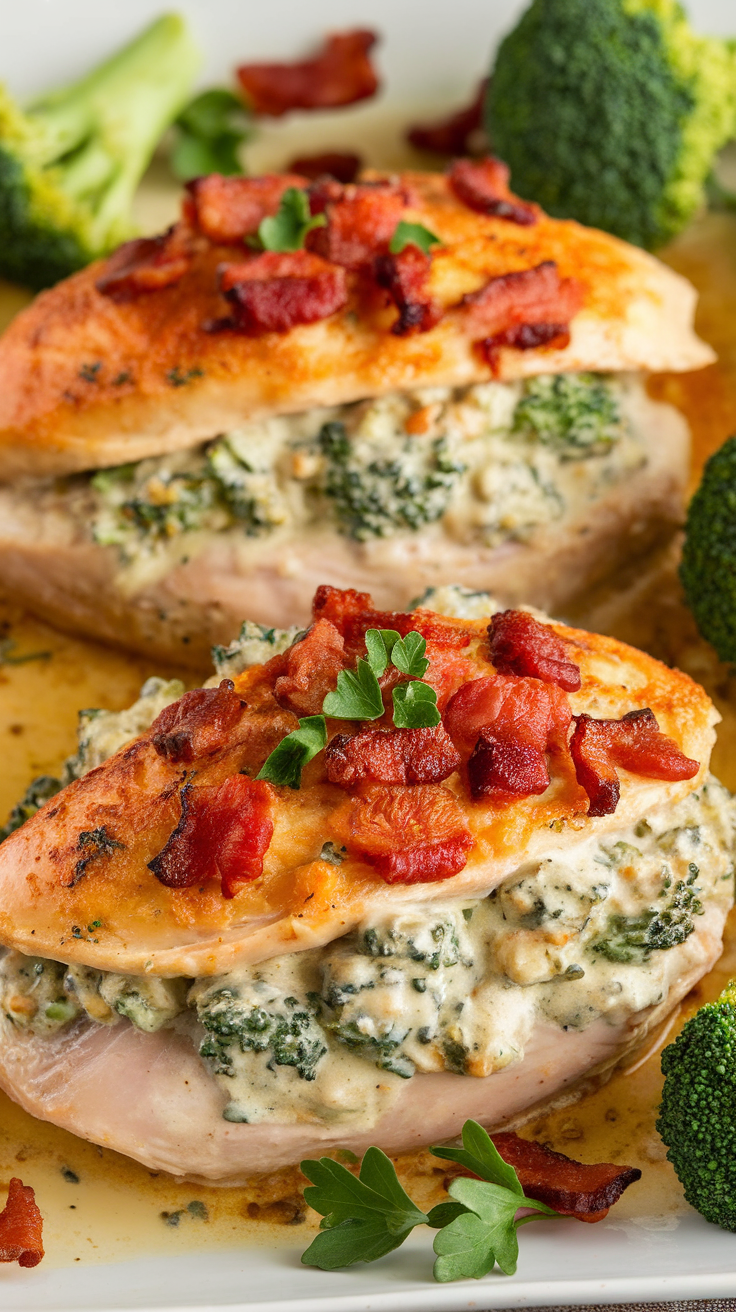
(697, 1116)
(611, 111)
(708, 568)
(70, 163)
(381, 488)
(576, 414)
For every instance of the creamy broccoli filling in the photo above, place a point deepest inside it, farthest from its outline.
(329, 1034)
(489, 463)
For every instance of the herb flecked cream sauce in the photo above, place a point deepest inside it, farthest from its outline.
(100, 1207)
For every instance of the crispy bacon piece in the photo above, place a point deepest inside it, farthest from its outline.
(451, 136)
(529, 298)
(21, 1226)
(361, 220)
(406, 279)
(312, 669)
(228, 209)
(339, 605)
(274, 292)
(341, 74)
(147, 264)
(580, 1189)
(352, 613)
(483, 185)
(409, 834)
(522, 645)
(392, 756)
(223, 833)
(524, 337)
(341, 165)
(503, 727)
(199, 724)
(633, 743)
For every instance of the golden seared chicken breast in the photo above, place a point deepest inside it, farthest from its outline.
(401, 869)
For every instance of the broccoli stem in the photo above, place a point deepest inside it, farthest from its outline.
(99, 133)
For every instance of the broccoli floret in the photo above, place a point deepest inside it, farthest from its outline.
(611, 111)
(634, 938)
(380, 489)
(70, 163)
(289, 1033)
(708, 568)
(576, 414)
(697, 1116)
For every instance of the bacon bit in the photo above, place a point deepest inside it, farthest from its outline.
(451, 136)
(406, 278)
(228, 209)
(147, 264)
(525, 337)
(223, 833)
(527, 299)
(522, 645)
(410, 835)
(483, 185)
(503, 727)
(312, 669)
(340, 605)
(580, 1189)
(274, 292)
(21, 1226)
(199, 724)
(341, 74)
(343, 166)
(393, 756)
(633, 743)
(361, 220)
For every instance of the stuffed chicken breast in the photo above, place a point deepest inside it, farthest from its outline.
(450, 863)
(429, 379)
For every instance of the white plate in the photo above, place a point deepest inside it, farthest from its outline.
(429, 58)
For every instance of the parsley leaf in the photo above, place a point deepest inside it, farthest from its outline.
(357, 696)
(415, 706)
(209, 133)
(379, 645)
(480, 1155)
(289, 757)
(286, 230)
(363, 1217)
(412, 234)
(408, 655)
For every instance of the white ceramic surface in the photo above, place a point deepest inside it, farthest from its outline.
(429, 52)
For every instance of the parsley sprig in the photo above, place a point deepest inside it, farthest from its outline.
(358, 693)
(287, 229)
(289, 757)
(412, 234)
(366, 1217)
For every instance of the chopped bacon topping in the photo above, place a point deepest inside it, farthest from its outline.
(312, 669)
(522, 645)
(406, 278)
(340, 74)
(392, 756)
(361, 220)
(274, 292)
(580, 1189)
(515, 300)
(341, 165)
(483, 185)
(504, 726)
(223, 833)
(199, 724)
(228, 209)
(451, 135)
(633, 743)
(352, 613)
(524, 337)
(21, 1226)
(415, 834)
(147, 264)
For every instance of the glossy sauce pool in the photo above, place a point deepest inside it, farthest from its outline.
(100, 1207)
